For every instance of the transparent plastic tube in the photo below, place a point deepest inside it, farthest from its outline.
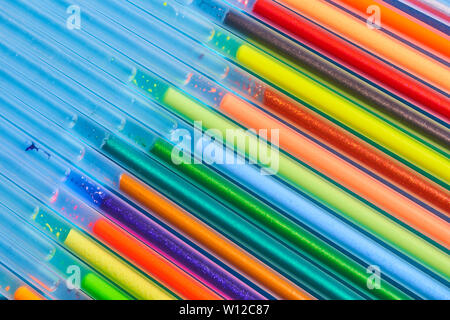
(95, 28)
(90, 103)
(158, 33)
(13, 288)
(36, 272)
(76, 274)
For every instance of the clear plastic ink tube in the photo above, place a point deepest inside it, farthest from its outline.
(116, 177)
(134, 221)
(442, 5)
(37, 272)
(13, 288)
(67, 266)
